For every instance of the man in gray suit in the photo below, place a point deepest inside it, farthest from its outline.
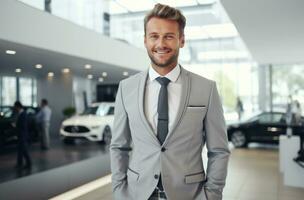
(163, 118)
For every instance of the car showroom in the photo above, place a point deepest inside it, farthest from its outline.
(62, 62)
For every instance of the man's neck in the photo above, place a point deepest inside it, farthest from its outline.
(163, 71)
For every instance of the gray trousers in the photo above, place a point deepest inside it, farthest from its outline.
(45, 135)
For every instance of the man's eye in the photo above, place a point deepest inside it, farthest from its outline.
(153, 37)
(169, 37)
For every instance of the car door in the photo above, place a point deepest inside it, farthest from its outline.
(252, 129)
(271, 127)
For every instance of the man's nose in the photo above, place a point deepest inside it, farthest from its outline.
(161, 42)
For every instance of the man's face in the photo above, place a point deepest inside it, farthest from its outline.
(162, 41)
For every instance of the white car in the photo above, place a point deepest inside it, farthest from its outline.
(94, 124)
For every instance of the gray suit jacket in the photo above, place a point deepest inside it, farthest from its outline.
(136, 155)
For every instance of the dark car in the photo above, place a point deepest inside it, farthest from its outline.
(265, 127)
(8, 134)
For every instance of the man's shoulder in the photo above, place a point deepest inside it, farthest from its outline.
(134, 79)
(199, 79)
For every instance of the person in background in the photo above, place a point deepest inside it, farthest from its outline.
(43, 118)
(239, 107)
(21, 125)
(298, 112)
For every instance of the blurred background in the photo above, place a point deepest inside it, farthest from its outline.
(74, 53)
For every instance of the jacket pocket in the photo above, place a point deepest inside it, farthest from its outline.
(196, 106)
(132, 175)
(195, 178)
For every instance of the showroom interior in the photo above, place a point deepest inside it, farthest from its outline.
(74, 53)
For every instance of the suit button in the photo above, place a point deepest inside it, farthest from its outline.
(156, 176)
(163, 149)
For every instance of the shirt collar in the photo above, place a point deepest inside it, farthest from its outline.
(172, 75)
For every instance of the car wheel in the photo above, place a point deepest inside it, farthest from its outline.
(68, 140)
(107, 135)
(238, 139)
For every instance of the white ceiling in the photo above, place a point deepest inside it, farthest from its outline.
(27, 57)
(273, 30)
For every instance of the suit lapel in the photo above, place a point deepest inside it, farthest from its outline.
(141, 99)
(185, 93)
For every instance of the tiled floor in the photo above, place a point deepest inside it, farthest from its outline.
(58, 155)
(253, 175)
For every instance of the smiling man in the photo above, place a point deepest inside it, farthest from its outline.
(163, 118)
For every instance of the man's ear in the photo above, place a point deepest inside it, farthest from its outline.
(145, 40)
(182, 39)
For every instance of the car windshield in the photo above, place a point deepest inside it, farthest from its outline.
(101, 110)
(90, 111)
(271, 118)
(251, 118)
(6, 113)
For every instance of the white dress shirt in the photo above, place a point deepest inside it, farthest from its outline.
(44, 115)
(152, 92)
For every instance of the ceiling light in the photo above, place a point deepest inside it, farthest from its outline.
(90, 76)
(104, 74)
(18, 70)
(38, 66)
(11, 52)
(66, 70)
(50, 74)
(126, 73)
(100, 79)
(87, 66)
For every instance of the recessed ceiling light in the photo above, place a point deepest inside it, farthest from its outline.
(50, 74)
(87, 66)
(126, 73)
(18, 70)
(104, 74)
(100, 79)
(90, 76)
(11, 52)
(66, 70)
(38, 66)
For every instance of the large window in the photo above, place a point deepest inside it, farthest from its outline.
(287, 82)
(15, 88)
(9, 94)
(26, 91)
(87, 13)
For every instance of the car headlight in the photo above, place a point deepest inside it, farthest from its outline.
(95, 127)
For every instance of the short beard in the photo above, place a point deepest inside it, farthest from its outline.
(171, 60)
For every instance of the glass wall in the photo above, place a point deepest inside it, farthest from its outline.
(287, 82)
(15, 88)
(9, 90)
(86, 13)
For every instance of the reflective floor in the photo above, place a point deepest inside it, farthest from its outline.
(59, 154)
(253, 174)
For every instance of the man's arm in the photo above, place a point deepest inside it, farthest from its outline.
(39, 116)
(217, 146)
(120, 147)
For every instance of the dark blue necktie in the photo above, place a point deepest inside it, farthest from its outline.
(162, 109)
(163, 118)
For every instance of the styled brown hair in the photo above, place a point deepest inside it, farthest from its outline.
(166, 12)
